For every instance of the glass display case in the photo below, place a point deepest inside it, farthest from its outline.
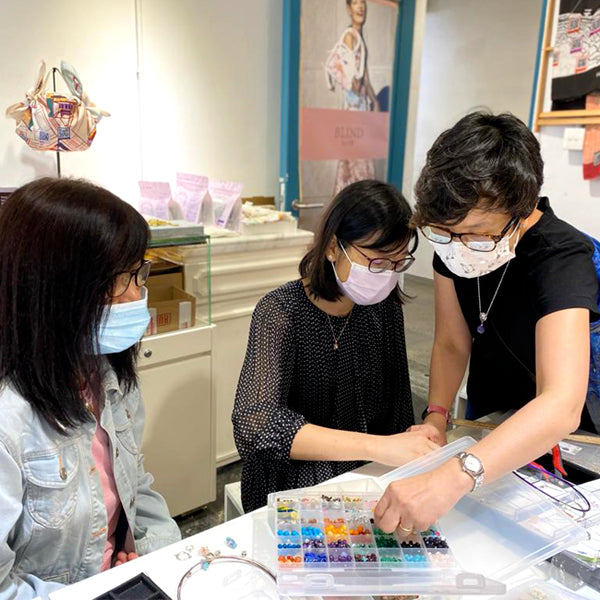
(190, 256)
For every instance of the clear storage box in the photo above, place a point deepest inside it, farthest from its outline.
(489, 535)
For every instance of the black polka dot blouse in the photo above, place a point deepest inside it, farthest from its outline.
(292, 375)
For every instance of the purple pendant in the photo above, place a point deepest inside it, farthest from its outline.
(481, 328)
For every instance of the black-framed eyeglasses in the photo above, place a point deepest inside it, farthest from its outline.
(557, 489)
(473, 241)
(122, 280)
(379, 265)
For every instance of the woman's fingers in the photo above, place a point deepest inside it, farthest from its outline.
(405, 528)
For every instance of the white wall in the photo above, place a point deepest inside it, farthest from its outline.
(210, 86)
(476, 54)
(572, 198)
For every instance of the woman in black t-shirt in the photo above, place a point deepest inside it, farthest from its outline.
(515, 290)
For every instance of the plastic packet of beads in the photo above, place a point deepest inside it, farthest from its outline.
(338, 549)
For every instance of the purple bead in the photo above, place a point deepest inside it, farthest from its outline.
(480, 328)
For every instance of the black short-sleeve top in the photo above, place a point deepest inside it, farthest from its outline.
(552, 271)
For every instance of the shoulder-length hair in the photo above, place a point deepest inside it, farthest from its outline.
(361, 211)
(62, 242)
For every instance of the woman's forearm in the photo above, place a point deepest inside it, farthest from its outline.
(448, 366)
(313, 442)
(528, 434)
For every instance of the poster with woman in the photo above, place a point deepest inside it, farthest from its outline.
(347, 50)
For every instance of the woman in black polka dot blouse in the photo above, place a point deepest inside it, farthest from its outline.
(325, 381)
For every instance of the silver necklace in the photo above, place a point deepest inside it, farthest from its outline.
(339, 335)
(484, 315)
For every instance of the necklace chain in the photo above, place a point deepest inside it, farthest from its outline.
(484, 315)
(339, 335)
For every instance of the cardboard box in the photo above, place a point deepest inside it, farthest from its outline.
(170, 309)
(267, 201)
(163, 280)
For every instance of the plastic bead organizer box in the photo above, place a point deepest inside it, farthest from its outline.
(326, 542)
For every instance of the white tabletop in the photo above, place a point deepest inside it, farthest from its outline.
(251, 532)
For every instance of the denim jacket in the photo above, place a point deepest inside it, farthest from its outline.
(53, 522)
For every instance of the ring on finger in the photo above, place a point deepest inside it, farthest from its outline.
(406, 530)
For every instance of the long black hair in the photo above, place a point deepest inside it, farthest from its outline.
(359, 212)
(62, 242)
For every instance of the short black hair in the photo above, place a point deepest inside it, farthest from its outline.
(494, 159)
(62, 242)
(359, 211)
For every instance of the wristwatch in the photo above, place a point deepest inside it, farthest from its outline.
(437, 409)
(472, 466)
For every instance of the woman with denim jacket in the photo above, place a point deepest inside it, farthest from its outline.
(74, 496)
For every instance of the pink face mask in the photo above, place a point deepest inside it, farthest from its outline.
(364, 287)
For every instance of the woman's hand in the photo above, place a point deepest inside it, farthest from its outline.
(400, 448)
(434, 427)
(415, 503)
(123, 557)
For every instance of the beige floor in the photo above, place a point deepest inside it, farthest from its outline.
(418, 324)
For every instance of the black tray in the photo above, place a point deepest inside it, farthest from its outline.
(140, 587)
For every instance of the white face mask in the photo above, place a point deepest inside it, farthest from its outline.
(364, 287)
(464, 262)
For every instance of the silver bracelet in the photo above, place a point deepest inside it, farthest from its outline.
(211, 558)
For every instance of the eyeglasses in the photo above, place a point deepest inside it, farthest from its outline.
(477, 242)
(122, 280)
(560, 491)
(379, 265)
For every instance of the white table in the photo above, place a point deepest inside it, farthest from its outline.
(252, 533)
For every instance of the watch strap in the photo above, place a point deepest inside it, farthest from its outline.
(435, 408)
(476, 476)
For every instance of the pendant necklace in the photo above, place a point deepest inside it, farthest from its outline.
(484, 315)
(337, 337)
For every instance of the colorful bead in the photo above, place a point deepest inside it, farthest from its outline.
(311, 557)
(415, 557)
(386, 541)
(435, 542)
(310, 531)
(286, 533)
(371, 557)
(289, 559)
(336, 529)
(391, 559)
(341, 557)
(441, 558)
(230, 543)
(360, 530)
(339, 543)
(312, 543)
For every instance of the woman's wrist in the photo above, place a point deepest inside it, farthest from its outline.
(453, 478)
(436, 419)
(369, 445)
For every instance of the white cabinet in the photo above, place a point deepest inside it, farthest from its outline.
(175, 372)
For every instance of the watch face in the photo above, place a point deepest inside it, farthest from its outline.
(472, 463)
